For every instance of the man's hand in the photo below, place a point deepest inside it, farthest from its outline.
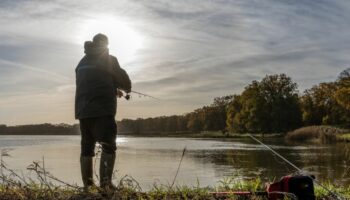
(120, 94)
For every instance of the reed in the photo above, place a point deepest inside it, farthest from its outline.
(317, 134)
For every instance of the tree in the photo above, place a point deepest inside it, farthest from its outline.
(342, 95)
(210, 118)
(233, 118)
(282, 110)
(344, 76)
(326, 103)
(194, 123)
(271, 105)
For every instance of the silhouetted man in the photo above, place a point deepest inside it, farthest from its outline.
(98, 78)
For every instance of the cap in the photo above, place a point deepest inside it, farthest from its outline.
(100, 40)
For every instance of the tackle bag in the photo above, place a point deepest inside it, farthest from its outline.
(300, 186)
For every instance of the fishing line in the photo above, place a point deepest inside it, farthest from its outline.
(337, 196)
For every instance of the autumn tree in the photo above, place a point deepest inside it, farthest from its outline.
(195, 122)
(342, 95)
(328, 103)
(270, 105)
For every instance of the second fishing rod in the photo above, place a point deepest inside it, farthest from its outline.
(333, 194)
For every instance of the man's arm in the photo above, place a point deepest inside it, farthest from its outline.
(121, 77)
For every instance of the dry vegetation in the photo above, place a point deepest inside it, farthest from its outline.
(318, 134)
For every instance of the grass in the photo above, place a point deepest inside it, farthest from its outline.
(344, 137)
(48, 187)
(126, 191)
(15, 187)
(321, 193)
(317, 134)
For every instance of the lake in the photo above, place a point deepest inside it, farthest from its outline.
(155, 160)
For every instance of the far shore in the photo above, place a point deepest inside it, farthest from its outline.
(206, 134)
(213, 134)
(309, 134)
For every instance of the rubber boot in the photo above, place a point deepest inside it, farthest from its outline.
(86, 171)
(106, 171)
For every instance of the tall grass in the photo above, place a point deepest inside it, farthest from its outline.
(318, 134)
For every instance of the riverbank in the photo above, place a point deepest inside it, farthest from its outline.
(344, 137)
(128, 188)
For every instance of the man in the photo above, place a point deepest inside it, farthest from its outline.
(98, 80)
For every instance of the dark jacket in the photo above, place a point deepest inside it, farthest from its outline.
(98, 75)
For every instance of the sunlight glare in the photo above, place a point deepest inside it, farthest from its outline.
(124, 41)
(121, 140)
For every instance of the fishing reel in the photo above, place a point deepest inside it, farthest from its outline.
(127, 96)
(120, 94)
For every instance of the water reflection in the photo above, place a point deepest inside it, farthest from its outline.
(121, 140)
(151, 160)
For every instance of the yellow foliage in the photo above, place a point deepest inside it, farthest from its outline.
(343, 97)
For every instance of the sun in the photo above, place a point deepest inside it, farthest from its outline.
(124, 41)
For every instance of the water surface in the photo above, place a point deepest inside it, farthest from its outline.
(155, 160)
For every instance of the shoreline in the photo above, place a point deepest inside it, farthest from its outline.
(128, 188)
(172, 135)
(303, 135)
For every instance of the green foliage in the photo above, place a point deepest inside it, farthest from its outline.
(342, 97)
(34, 192)
(210, 118)
(235, 184)
(328, 103)
(207, 118)
(271, 105)
(321, 193)
(41, 129)
(343, 137)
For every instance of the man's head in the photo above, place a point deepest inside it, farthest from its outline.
(100, 40)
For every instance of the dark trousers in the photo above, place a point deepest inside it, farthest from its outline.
(99, 129)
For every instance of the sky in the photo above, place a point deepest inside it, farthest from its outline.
(183, 52)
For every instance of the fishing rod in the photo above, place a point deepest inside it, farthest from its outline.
(178, 168)
(143, 94)
(127, 96)
(334, 194)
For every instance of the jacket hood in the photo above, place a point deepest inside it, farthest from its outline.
(91, 49)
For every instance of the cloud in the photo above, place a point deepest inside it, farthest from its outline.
(192, 51)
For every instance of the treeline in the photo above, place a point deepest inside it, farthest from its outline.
(272, 105)
(207, 118)
(40, 129)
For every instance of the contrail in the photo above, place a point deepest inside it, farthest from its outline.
(35, 69)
